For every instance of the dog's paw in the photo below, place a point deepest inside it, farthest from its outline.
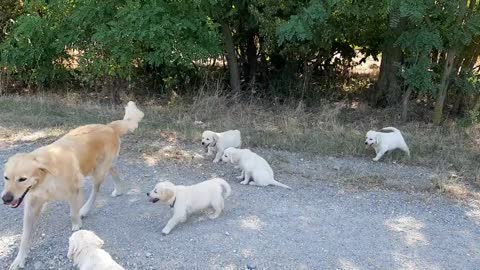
(165, 232)
(215, 161)
(18, 263)
(76, 227)
(116, 193)
(375, 159)
(245, 182)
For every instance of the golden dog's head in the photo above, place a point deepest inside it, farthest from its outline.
(163, 191)
(209, 138)
(22, 172)
(82, 239)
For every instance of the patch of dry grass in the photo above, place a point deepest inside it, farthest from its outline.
(334, 129)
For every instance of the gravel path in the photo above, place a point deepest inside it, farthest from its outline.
(323, 223)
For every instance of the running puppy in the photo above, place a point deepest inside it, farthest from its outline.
(186, 200)
(387, 139)
(85, 249)
(55, 173)
(218, 142)
(253, 166)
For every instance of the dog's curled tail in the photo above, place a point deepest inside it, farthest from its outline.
(278, 184)
(225, 186)
(130, 121)
(392, 129)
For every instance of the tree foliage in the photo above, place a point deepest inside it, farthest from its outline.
(281, 47)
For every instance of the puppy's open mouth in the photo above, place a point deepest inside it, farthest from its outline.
(154, 200)
(16, 203)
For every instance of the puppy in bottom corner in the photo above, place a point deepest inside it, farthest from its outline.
(85, 249)
(387, 139)
(217, 142)
(186, 200)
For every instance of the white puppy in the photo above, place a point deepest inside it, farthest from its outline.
(85, 248)
(218, 142)
(253, 166)
(387, 139)
(186, 200)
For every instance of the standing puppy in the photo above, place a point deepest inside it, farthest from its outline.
(387, 139)
(85, 249)
(253, 167)
(186, 200)
(55, 172)
(218, 142)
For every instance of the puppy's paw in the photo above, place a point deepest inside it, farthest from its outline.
(375, 159)
(215, 161)
(213, 216)
(165, 232)
(245, 182)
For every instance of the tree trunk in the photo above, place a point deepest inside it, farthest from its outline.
(251, 60)
(387, 88)
(405, 99)
(442, 93)
(231, 56)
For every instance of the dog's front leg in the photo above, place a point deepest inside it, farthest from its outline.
(30, 216)
(380, 154)
(75, 204)
(241, 176)
(218, 156)
(173, 222)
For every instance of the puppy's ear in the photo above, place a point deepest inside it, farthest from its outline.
(72, 248)
(166, 194)
(97, 241)
(215, 137)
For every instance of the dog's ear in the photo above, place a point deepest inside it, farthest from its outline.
(215, 137)
(43, 165)
(72, 248)
(166, 194)
(97, 241)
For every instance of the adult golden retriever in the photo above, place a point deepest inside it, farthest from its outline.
(56, 172)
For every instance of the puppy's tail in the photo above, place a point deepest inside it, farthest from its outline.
(278, 184)
(392, 129)
(225, 186)
(130, 121)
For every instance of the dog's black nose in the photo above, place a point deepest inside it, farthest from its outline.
(366, 142)
(148, 193)
(7, 198)
(203, 143)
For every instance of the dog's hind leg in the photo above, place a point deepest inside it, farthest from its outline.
(119, 185)
(31, 212)
(218, 206)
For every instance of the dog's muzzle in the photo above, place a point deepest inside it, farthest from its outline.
(8, 199)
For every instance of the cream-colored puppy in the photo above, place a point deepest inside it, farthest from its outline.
(186, 200)
(387, 139)
(218, 142)
(253, 166)
(85, 249)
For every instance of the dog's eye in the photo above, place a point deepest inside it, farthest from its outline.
(22, 179)
(6, 178)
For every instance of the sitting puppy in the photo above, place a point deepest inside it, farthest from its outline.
(253, 166)
(218, 142)
(85, 248)
(387, 139)
(186, 200)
